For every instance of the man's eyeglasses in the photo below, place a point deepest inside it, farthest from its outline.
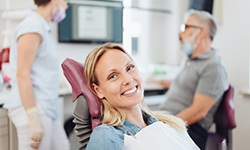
(185, 26)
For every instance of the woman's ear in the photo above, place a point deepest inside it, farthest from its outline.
(98, 91)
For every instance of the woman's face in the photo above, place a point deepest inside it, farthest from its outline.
(119, 80)
(60, 4)
(64, 4)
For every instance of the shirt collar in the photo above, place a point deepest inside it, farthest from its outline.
(130, 128)
(205, 55)
(44, 22)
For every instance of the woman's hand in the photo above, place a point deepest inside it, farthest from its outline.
(165, 83)
(35, 127)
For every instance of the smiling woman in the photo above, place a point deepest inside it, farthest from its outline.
(114, 77)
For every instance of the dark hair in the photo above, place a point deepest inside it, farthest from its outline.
(41, 2)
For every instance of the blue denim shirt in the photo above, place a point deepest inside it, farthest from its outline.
(106, 137)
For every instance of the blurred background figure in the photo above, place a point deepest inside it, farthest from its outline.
(33, 101)
(197, 90)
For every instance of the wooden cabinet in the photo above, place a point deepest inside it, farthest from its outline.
(4, 130)
(8, 136)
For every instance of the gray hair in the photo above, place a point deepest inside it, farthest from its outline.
(204, 19)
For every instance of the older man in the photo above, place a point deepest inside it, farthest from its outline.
(196, 92)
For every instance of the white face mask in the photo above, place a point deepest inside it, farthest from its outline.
(187, 46)
(58, 15)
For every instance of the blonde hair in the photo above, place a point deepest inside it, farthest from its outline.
(109, 114)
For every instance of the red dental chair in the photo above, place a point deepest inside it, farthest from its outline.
(224, 121)
(87, 108)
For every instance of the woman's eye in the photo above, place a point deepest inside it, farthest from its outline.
(112, 76)
(131, 67)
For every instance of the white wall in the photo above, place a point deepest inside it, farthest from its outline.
(233, 42)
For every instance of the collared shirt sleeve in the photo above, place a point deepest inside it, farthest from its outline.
(213, 81)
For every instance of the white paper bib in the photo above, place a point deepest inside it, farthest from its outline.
(159, 136)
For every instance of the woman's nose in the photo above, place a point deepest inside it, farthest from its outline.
(127, 79)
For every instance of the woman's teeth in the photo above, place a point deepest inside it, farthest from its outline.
(130, 91)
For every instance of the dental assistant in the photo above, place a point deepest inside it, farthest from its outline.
(33, 102)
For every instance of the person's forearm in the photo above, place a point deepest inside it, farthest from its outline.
(26, 92)
(198, 110)
(190, 116)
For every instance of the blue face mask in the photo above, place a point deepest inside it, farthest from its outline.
(187, 46)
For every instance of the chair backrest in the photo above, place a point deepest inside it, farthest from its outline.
(73, 71)
(4, 56)
(224, 123)
(224, 116)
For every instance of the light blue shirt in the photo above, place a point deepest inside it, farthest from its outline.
(106, 137)
(45, 69)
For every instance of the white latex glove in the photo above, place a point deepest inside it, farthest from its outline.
(35, 127)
